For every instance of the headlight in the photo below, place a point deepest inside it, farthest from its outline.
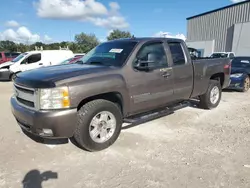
(236, 75)
(54, 98)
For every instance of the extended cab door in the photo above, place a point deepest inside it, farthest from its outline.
(31, 62)
(182, 70)
(152, 88)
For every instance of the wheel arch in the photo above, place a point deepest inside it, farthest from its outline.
(114, 97)
(219, 77)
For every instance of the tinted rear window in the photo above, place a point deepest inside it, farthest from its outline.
(177, 53)
(7, 55)
(15, 54)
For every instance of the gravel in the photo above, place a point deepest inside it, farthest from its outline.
(190, 148)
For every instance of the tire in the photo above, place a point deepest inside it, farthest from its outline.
(246, 84)
(206, 102)
(84, 128)
(12, 77)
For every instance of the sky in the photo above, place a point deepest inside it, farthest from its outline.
(47, 21)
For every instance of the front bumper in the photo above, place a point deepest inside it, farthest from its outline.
(5, 75)
(236, 83)
(61, 123)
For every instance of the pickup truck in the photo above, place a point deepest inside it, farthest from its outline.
(117, 81)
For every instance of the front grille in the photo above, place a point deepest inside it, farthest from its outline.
(25, 96)
(25, 102)
(24, 90)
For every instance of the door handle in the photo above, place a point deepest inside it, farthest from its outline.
(40, 63)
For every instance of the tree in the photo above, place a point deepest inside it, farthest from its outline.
(8, 46)
(86, 42)
(117, 34)
(37, 44)
(22, 47)
(74, 47)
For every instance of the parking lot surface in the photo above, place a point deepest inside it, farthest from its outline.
(190, 148)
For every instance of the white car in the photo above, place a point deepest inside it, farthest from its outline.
(32, 60)
(230, 55)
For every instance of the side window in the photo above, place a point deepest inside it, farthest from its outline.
(153, 54)
(1, 56)
(7, 55)
(177, 53)
(15, 55)
(34, 58)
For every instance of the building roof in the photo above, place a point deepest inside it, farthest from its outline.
(209, 12)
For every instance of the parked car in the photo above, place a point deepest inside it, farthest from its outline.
(8, 56)
(118, 81)
(240, 74)
(230, 55)
(71, 60)
(79, 55)
(32, 60)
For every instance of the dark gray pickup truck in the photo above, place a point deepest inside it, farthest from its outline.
(118, 81)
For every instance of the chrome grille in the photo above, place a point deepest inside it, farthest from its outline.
(26, 96)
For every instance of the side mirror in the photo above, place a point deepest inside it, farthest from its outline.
(144, 65)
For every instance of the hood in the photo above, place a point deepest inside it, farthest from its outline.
(8, 63)
(46, 77)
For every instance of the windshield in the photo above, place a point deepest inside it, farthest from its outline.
(240, 62)
(112, 53)
(219, 55)
(19, 57)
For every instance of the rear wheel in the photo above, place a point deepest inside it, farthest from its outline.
(99, 125)
(246, 85)
(212, 97)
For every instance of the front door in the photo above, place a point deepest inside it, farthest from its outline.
(31, 62)
(153, 88)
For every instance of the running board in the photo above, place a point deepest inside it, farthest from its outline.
(145, 117)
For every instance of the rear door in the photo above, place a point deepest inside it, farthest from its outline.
(182, 70)
(151, 89)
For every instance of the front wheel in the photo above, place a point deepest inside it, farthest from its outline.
(12, 77)
(99, 124)
(212, 97)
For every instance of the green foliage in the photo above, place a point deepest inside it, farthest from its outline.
(82, 44)
(117, 34)
(7, 45)
(86, 42)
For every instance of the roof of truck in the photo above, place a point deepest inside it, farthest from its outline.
(143, 39)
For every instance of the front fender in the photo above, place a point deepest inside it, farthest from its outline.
(94, 86)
